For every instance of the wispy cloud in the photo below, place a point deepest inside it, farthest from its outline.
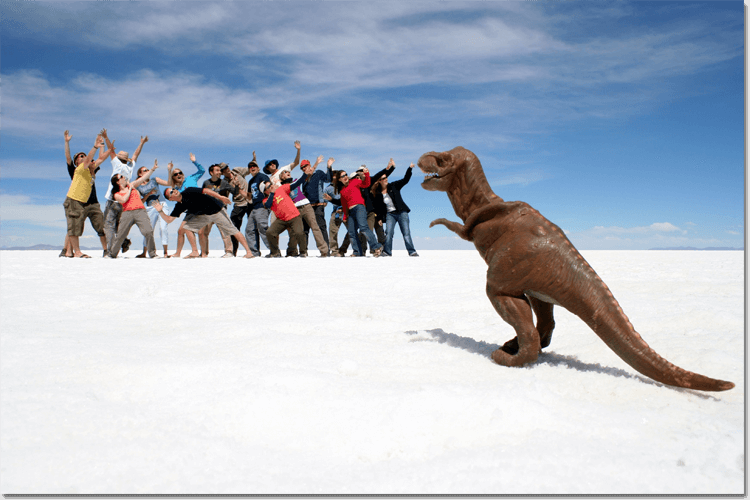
(655, 228)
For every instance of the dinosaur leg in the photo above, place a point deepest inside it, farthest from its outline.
(516, 311)
(545, 323)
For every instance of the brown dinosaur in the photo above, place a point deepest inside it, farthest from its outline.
(532, 266)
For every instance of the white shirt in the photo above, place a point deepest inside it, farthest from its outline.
(124, 169)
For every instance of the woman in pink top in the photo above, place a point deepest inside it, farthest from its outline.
(355, 212)
(133, 211)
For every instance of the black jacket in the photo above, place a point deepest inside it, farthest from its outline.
(394, 191)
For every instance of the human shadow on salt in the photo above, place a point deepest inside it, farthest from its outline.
(545, 358)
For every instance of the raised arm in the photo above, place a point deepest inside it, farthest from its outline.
(296, 158)
(144, 140)
(162, 182)
(145, 178)
(68, 137)
(90, 157)
(317, 162)
(200, 168)
(110, 144)
(329, 172)
(103, 155)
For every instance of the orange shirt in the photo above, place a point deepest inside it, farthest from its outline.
(133, 202)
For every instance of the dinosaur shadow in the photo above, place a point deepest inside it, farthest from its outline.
(545, 358)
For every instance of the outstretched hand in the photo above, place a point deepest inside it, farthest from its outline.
(330, 161)
(144, 139)
(68, 137)
(192, 157)
(297, 145)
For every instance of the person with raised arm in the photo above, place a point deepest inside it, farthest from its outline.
(133, 211)
(78, 195)
(91, 209)
(150, 194)
(390, 207)
(313, 187)
(273, 171)
(122, 164)
(355, 213)
(181, 183)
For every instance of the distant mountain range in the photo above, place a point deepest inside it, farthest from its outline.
(44, 247)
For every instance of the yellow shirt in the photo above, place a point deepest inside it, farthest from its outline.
(80, 186)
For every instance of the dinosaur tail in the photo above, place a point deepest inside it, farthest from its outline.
(610, 323)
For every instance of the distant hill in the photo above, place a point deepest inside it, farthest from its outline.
(693, 248)
(43, 247)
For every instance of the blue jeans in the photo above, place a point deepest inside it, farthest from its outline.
(257, 224)
(357, 219)
(391, 219)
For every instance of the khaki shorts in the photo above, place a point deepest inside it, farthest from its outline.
(74, 215)
(94, 214)
(221, 219)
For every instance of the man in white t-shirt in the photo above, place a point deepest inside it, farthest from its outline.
(272, 169)
(122, 164)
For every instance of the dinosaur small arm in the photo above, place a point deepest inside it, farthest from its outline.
(532, 266)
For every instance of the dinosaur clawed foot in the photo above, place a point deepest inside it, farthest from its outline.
(511, 346)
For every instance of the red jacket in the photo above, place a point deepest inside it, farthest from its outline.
(351, 195)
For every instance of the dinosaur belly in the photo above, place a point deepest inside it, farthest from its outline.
(541, 296)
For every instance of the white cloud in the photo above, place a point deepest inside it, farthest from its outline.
(655, 228)
(20, 208)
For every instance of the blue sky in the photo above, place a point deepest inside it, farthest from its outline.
(620, 122)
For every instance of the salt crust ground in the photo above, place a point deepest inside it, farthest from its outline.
(357, 376)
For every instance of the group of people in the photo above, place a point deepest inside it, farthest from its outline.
(271, 198)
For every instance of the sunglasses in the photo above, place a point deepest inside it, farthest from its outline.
(176, 174)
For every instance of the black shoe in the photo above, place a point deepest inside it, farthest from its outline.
(125, 245)
(62, 253)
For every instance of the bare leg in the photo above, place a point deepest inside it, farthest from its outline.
(67, 250)
(193, 244)
(203, 239)
(180, 239)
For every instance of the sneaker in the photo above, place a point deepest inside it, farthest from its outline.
(227, 255)
(376, 253)
(415, 254)
(62, 253)
(272, 256)
(105, 253)
(125, 245)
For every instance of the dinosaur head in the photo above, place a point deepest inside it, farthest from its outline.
(439, 169)
(459, 174)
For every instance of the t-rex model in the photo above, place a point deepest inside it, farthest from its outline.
(532, 266)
